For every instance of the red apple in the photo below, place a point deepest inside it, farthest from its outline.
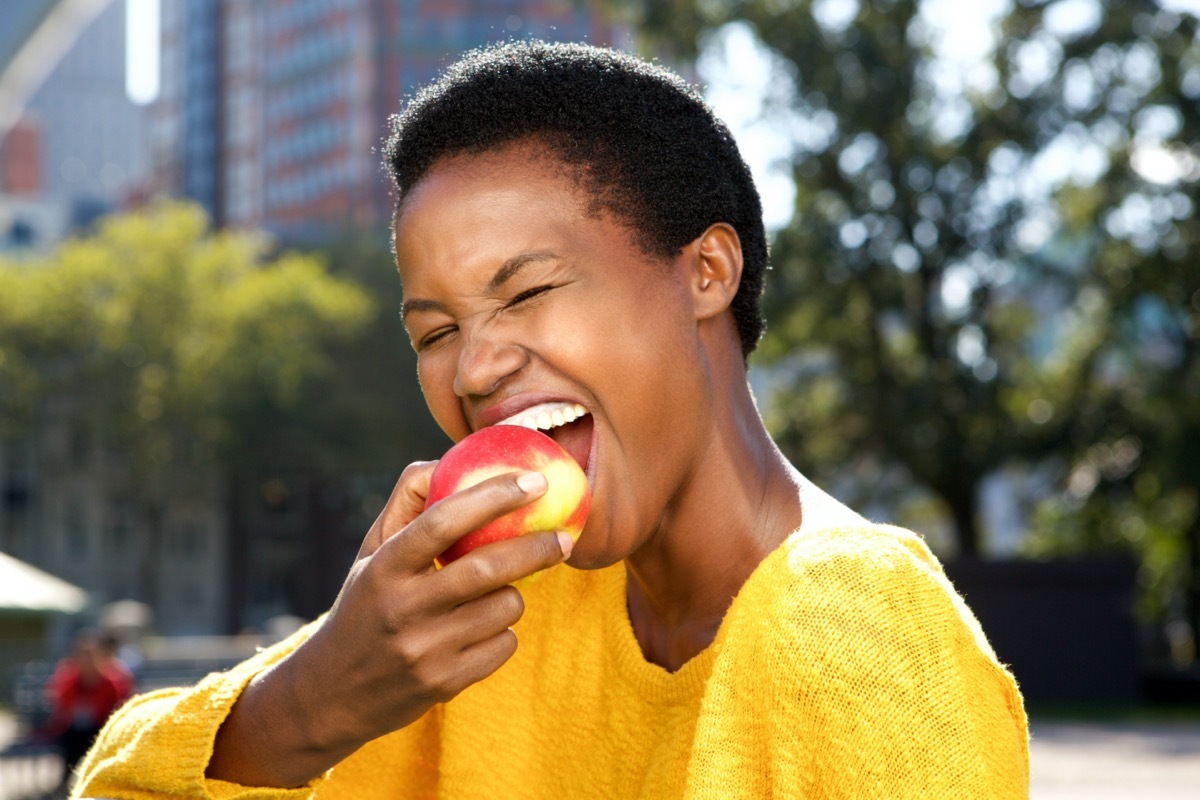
(501, 449)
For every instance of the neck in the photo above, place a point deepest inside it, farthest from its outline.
(737, 507)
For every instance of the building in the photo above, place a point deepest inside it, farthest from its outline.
(31, 225)
(21, 160)
(29, 222)
(74, 150)
(270, 114)
(67, 507)
(90, 134)
(272, 111)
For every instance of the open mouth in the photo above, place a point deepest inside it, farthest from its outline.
(568, 424)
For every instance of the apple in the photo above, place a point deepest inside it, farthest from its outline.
(501, 449)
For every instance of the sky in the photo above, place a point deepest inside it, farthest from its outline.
(740, 83)
(141, 54)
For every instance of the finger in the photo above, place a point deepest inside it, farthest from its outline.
(484, 617)
(481, 659)
(449, 519)
(432, 649)
(484, 570)
(406, 502)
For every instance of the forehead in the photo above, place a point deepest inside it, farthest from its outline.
(489, 207)
(467, 178)
(529, 161)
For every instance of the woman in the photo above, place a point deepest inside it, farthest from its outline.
(574, 227)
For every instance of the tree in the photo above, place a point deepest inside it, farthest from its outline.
(362, 423)
(171, 348)
(989, 265)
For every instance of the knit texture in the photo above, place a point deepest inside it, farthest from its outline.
(847, 667)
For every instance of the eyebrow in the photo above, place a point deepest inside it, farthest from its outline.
(507, 270)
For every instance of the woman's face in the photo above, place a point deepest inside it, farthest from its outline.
(518, 300)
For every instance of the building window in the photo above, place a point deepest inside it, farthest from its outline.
(75, 536)
(190, 541)
(20, 233)
(119, 531)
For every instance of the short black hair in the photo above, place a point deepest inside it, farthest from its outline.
(636, 136)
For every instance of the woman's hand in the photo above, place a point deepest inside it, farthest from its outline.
(401, 636)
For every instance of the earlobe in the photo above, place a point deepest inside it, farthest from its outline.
(717, 269)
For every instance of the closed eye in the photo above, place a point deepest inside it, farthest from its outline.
(528, 294)
(435, 337)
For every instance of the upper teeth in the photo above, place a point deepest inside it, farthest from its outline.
(545, 416)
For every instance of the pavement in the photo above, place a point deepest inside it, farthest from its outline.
(1111, 760)
(1067, 761)
(24, 778)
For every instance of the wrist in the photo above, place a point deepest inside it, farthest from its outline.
(316, 723)
(272, 738)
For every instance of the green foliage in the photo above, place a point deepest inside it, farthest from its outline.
(188, 366)
(174, 340)
(1139, 517)
(992, 268)
(374, 418)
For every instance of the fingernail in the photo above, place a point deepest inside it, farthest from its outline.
(566, 543)
(531, 482)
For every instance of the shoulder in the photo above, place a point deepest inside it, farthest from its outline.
(850, 651)
(857, 595)
(836, 551)
(869, 545)
(821, 566)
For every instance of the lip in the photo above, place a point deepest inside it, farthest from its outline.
(504, 409)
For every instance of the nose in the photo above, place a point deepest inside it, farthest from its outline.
(485, 363)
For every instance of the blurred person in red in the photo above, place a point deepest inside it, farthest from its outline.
(116, 660)
(85, 688)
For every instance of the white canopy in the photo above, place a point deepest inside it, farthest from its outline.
(24, 587)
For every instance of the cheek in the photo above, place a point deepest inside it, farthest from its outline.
(654, 337)
(435, 374)
(667, 374)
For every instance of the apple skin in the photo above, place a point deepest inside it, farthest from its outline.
(502, 449)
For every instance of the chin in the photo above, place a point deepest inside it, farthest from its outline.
(585, 561)
(595, 550)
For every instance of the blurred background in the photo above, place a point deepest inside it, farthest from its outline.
(984, 303)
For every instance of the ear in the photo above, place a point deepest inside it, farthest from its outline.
(716, 269)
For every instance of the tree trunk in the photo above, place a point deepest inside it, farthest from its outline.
(237, 556)
(150, 568)
(328, 553)
(963, 509)
(1191, 544)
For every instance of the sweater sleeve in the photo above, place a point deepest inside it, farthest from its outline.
(158, 745)
(854, 670)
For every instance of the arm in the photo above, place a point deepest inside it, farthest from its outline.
(401, 637)
(158, 744)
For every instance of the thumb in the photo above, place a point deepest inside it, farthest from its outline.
(406, 502)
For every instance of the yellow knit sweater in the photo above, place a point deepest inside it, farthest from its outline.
(847, 667)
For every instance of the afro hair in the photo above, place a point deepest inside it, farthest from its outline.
(635, 136)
